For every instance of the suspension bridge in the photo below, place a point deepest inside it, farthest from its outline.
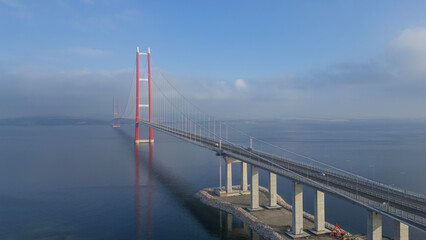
(164, 108)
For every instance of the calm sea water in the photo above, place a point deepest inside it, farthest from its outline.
(92, 182)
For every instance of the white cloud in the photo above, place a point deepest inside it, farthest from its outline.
(86, 51)
(407, 52)
(240, 84)
(12, 3)
(389, 86)
(17, 9)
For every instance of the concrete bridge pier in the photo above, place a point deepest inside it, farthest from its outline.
(228, 185)
(272, 192)
(297, 212)
(244, 185)
(228, 175)
(374, 225)
(319, 214)
(401, 231)
(254, 189)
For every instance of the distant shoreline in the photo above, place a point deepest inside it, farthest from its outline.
(51, 121)
(79, 121)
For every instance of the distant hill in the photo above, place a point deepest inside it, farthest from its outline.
(51, 121)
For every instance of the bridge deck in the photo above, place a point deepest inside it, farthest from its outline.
(395, 203)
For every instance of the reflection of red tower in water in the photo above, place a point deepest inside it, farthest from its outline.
(150, 192)
(138, 194)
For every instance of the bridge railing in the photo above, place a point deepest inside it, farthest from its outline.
(386, 208)
(235, 136)
(377, 189)
(319, 166)
(365, 185)
(379, 206)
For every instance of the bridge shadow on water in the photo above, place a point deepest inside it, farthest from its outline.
(215, 222)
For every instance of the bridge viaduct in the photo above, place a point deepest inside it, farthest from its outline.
(405, 208)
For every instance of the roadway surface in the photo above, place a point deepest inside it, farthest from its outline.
(398, 204)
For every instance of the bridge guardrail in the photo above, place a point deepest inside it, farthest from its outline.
(385, 208)
(366, 201)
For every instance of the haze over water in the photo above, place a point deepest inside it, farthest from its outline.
(67, 179)
(92, 182)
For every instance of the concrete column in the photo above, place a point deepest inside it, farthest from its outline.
(272, 190)
(374, 226)
(254, 188)
(228, 176)
(319, 211)
(243, 183)
(297, 209)
(401, 231)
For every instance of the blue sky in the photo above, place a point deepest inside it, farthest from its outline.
(308, 59)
